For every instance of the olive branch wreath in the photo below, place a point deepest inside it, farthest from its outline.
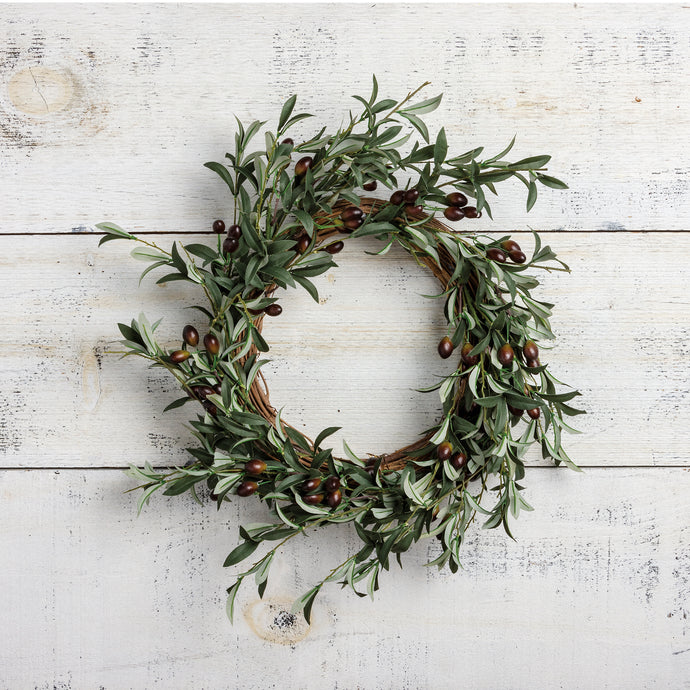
(288, 223)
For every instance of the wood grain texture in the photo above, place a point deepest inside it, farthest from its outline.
(108, 112)
(112, 110)
(622, 322)
(592, 595)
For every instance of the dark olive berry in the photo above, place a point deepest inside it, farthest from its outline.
(313, 499)
(506, 355)
(218, 389)
(212, 344)
(255, 467)
(534, 413)
(445, 347)
(370, 186)
(413, 210)
(496, 254)
(397, 197)
(530, 350)
(351, 212)
(444, 451)
(510, 246)
(218, 226)
(311, 484)
(352, 224)
(230, 245)
(302, 244)
(210, 408)
(303, 164)
(213, 497)
(334, 248)
(468, 359)
(288, 141)
(190, 335)
(335, 498)
(411, 195)
(515, 411)
(234, 232)
(532, 363)
(458, 460)
(179, 356)
(454, 213)
(471, 212)
(456, 199)
(331, 484)
(202, 392)
(247, 488)
(274, 310)
(518, 257)
(255, 312)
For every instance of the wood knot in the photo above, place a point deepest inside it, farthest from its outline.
(41, 91)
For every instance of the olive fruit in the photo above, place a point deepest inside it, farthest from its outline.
(444, 451)
(218, 389)
(331, 484)
(534, 413)
(302, 165)
(510, 246)
(506, 355)
(397, 197)
(302, 244)
(530, 350)
(517, 257)
(247, 488)
(288, 141)
(445, 347)
(467, 358)
(212, 344)
(210, 408)
(255, 467)
(218, 226)
(458, 460)
(230, 245)
(313, 499)
(274, 310)
(311, 484)
(454, 213)
(190, 335)
(335, 247)
(411, 195)
(335, 498)
(471, 212)
(515, 411)
(352, 224)
(456, 199)
(351, 212)
(179, 356)
(412, 210)
(532, 363)
(496, 254)
(202, 392)
(370, 186)
(234, 232)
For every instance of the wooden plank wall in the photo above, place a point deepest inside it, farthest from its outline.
(108, 112)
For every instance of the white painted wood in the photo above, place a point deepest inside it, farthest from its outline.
(110, 112)
(622, 321)
(594, 594)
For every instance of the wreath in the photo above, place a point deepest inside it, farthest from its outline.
(295, 204)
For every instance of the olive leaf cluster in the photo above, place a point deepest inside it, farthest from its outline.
(291, 199)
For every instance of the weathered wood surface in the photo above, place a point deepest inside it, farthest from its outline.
(592, 595)
(112, 110)
(622, 320)
(108, 112)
